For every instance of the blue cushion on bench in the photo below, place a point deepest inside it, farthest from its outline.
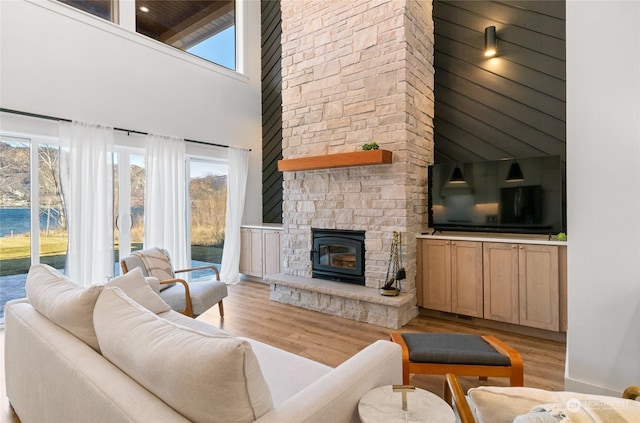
(447, 348)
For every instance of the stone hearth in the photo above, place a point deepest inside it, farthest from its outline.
(350, 301)
(352, 73)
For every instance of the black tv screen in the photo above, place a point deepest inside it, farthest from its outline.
(525, 195)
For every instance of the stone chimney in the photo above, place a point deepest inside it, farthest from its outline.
(355, 72)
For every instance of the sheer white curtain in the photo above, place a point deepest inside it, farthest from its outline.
(236, 193)
(165, 223)
(86, 162)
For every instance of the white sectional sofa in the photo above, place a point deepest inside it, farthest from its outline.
(118, 354)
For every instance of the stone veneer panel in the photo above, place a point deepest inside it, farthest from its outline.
(355, 72)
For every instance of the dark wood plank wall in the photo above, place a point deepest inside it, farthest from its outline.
(512, 105)
(271, 113)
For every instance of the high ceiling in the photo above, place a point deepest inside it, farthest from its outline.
(183, 23)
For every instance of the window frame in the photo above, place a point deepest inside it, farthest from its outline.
(127, 20)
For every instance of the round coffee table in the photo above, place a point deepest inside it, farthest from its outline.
(385, 406)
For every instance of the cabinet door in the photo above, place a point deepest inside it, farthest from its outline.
(272, 251)
(539, 286)
(466, 278)
(251, 252)
(501, 282)
(436, 274)
(245, 251)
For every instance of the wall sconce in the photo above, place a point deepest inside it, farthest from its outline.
(515, 173)
(490, 41)
(457, 177)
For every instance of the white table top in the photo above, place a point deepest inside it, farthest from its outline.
(382, 405)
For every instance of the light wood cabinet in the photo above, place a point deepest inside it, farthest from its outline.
(501, 282)
(452, 276)
(522, 284)
(539, 286)
(251, 252)
(512, 282)
(260, 251)
(466, 278)
(272, 251)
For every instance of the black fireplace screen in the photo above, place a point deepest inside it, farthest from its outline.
(338, 255)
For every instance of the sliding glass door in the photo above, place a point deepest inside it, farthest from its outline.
(207, 195)
(33, 226)
(129, 185)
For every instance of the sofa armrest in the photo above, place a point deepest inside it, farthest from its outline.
(52, 376)
(335, 396)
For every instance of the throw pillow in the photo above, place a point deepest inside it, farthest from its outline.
(137, 288)
(154, 283)
(63, 302)
(158, 264)
(206, 378)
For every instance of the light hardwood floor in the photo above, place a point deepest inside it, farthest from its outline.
(332, 340)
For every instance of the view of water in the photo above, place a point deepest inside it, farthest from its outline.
(17, 221)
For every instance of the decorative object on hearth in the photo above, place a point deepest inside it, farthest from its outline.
(400, 273)
(395, 273)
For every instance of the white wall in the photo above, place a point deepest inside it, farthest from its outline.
(603, 195)
(60, 62)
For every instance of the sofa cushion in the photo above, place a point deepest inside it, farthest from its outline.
(205, 377)
(138, 289)
(63, 302)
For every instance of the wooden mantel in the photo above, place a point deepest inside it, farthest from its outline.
(329, 161)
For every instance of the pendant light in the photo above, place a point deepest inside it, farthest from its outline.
(515, 173)
(457, 177)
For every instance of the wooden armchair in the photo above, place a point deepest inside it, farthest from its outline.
(514, 404)
(191, 299)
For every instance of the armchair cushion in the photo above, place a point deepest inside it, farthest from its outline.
(138, 289)
(211, 378)
(204, 293)
(66, 304)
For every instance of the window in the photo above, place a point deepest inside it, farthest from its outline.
(207, 195)
(104, 9)
(15, 218)
(204, 28)
(129, 179)
(32, 223)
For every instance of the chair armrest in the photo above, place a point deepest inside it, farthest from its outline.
(632, 392)
(454, 396)
(212, 267)
(188, 309)
(514, 357)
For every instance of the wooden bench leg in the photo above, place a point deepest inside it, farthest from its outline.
(221, 308)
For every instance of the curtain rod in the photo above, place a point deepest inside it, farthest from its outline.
(35, 115)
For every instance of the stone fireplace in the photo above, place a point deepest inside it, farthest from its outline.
(353, 73)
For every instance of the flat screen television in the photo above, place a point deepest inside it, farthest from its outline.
(524, 195)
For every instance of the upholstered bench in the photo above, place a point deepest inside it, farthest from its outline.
(460, 354)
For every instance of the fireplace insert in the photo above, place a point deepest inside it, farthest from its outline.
(338, 255)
